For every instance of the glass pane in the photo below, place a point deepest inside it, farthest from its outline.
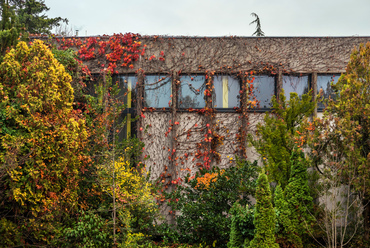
(191, 93)
(157, 91)
(324, 88)
(127, 94)
(127, 86)
(226, 92)
(92, 84)
(263, 90)
(129, 128)
(295, 84)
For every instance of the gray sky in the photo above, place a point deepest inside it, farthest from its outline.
(215, 17)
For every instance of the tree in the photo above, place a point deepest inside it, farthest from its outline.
(242, 227)
(280, 133)
(119, 173)
(31, 14)
(295, 204)
(352, 108)
(286, 234)
(257, 21)
(10, 30)
(341, 151)
(264, 217)
(340, 217)
(42, 143)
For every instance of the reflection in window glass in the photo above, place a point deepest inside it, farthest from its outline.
(263, 90)
(157, 91)
(295, 84)
(191, 94)
(324, 88)
(127, 95)
(226, 92)
(127, 92)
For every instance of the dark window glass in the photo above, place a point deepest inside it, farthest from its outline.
(298, 84)
(157, 91)
(263, 90)
(191, 93)
(91, 85)
(226, 92)
(324, 88)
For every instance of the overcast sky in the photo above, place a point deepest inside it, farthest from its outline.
(215, 17)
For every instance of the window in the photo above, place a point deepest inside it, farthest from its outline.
(298, 84)
(324, 88)
(263, 90)
(226, 92)
(157, 91)
(191, 93)
(127, 94)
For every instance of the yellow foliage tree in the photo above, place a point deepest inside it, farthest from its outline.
(132, 195)
(42, 142)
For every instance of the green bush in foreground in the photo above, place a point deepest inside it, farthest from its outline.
(206, 201)
(264, 217)
(242, 227)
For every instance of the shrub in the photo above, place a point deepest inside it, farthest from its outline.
(286, 234)
(278, 134)
(242, 227)
(205, 201)
(134, 201)
(89, 231)
(294, 205)
(264, 217)
(42, 143)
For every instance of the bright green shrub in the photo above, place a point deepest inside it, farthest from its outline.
(299, 203)
(286, 234)
(294, 205)
(264, 216)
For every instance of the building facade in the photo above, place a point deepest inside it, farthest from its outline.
(197, 98)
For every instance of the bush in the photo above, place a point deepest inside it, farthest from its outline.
(299, 202)
(264, 217)
(134, 201)
(286, 234)
(242, 226)
(42, 146)
(10, 235)
(205, 201)
(89, 231)
(279, 133)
